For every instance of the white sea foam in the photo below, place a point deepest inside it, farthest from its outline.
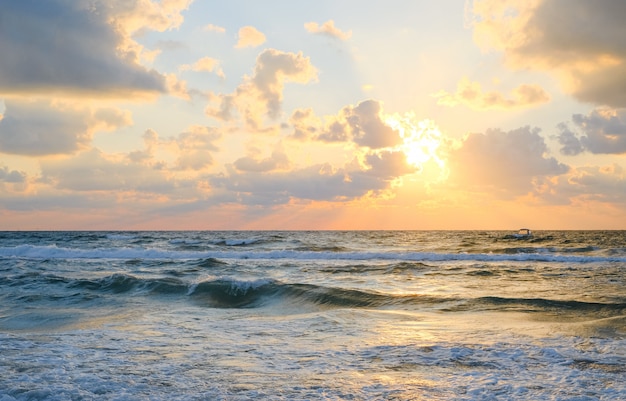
(53, 251)
(224, 357)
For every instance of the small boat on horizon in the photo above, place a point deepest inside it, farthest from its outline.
(523, 233)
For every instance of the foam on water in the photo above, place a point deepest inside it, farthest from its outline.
(54, 251)
(156, 356)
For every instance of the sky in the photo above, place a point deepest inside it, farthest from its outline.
(326, 114)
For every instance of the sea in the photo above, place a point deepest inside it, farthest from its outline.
(312, 315)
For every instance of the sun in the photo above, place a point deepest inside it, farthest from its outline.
(421, 141)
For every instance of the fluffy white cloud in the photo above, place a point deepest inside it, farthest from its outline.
(249, 36)
(581, 41)
(43, 128)
(602, 131)
(329, 29)
(506, 163)
(261, 95)
(471, 94)
(69, 47)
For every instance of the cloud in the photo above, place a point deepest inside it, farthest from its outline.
(278, 160)
(503, 162)
(192, 150)
(249, 36)
(335, 131)
(207, 64)
(42, 128)
(604, 184)
(273, 180)
(328, 29)
(319, 182)
(262, 94)
(471, 94)
(579, 41)
(68, 47)
(214, 28)
(305, 124)
(12, 181)
(93, 170)
(195, 147)
(368, 128)
(12, 176)
(603, 131)
(363, 124)
(388, 165)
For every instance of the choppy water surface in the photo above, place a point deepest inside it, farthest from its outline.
(398, 315)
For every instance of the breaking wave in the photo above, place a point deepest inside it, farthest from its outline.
(227, 292)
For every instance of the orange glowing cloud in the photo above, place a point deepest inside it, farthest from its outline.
(249, 36)
(261, 94)
(472, 95)
(329, 29)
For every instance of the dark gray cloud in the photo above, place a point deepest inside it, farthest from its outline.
(581, 41)
(59, 46)
(600, 132)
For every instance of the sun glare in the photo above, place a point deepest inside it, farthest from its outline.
(421, 140)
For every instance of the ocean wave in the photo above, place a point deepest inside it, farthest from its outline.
(551, 306)
(124, 283)
(229, 292)
(54, 251)
(233, 293)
